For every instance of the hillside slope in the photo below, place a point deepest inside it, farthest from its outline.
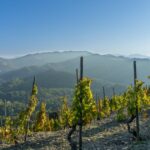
(20, 88)
(108, 68)
(106, 134)
(105, 70)
(38, 59)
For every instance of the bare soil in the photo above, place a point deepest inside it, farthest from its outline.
(106, 134)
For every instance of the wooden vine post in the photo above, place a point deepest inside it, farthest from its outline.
(77, 75)
(73, 128)
(104, 97)
(136, 99)
(104, 92)
(98, 104)
(80, 120)
(28, 121)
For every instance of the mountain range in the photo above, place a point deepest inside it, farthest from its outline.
(57, 70)
(37, 59)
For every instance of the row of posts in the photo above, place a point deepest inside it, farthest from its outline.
(137, 113)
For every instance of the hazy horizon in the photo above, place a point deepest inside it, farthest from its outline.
(40, 52)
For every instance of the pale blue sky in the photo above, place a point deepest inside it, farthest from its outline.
(103, 26)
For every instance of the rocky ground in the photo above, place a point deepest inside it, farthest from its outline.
(106, 134)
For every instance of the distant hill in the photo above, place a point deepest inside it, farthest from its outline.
(138, 56)
(38, 59)
(47, 79)
(5, 65)
(105, 70)
(20, 88)
(108, 68)
(22, 73)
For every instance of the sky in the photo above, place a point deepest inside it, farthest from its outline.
(100, 26)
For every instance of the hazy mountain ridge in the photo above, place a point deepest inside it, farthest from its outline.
(38, 59)
(22, 73)
(105, 70)
(108, 68)
(138, 56)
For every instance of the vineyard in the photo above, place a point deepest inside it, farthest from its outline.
(89, 122)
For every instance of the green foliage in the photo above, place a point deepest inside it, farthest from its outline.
(121, 116)
(100, 114)
(55, 124)
(6, 132)
(106, 107)
(135, 96)
(119, 104)
(65, 114)
(125, 105)
(42, 121)
(24, 116)
(113, 104)
(103, 108)
(83, 92)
